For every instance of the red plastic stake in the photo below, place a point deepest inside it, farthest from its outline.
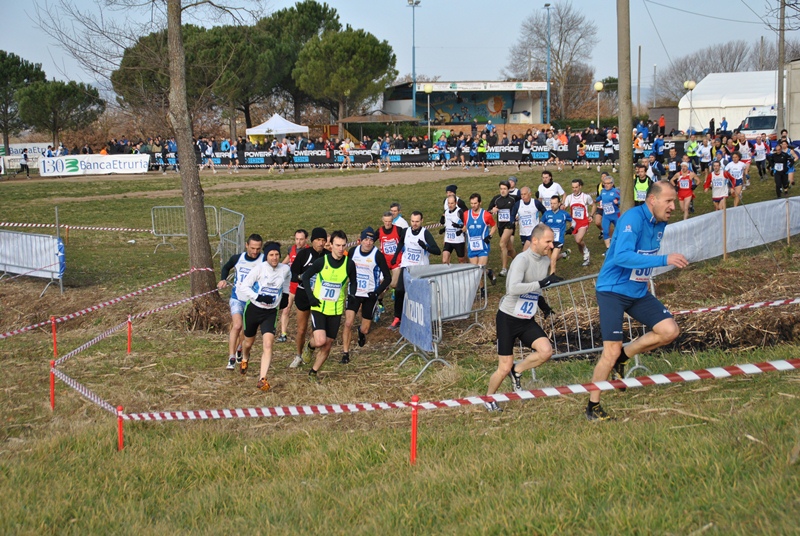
(414, 410)
(55, 342)
(130, 331)
(120, 438)
(52, 385)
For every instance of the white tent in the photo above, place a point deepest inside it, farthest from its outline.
(728, 95)
(276, 126)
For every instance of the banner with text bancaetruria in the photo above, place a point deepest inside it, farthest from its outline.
(93, 164)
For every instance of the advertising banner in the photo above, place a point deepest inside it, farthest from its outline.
(416, 325)
(93, 164)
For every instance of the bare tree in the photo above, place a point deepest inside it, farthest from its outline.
(572, 38)
(88, 36)
(764, 53)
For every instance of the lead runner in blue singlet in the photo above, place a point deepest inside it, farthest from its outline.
(622, 287)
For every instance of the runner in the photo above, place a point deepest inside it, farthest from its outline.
(300, 243)
(233, 159)
(780, 163)
(390, 237)
(441, 147)
(608, 201)
(385, 159)
(345, 150)
(720, 183)
(527, 152)
(515, 315)
(578, 203)
(513, 191)
(483, 144)
(301, 262)
(684, 181)
(622, 287)
(526, 212)
(326, 294)
(640, 185)
(242, 263)
(738, 170)
(272, 280)
(480, 227)
(548, 188)
(375, 155)
(746, 154)
(500, 207)
(761, 147)
(397, 216)
(416, 248)
(371, 276)
(557, 219)
(453, 230)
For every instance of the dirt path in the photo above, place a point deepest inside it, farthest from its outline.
(330, 179)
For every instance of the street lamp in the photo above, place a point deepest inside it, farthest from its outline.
(598, 86)
(428, 90)
(547, 7)
(413, 4)
(690, 85)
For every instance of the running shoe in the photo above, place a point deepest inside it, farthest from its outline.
(618, 372)
(492, 276)
(281, 338)
(307, 352)
(231, 363)
(585, 263)
(239, 355)
(262, 385)
(345, 358)
(492, 407)
(516, 380)
(312, 376)
(395, 323)
(297, 362)
(483, 293)
(243, 367)
(503, 272)
(597, 413)
(362, 338)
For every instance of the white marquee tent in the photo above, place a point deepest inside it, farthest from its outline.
(729, 95)
(276, 126)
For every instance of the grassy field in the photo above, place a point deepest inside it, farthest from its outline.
(714, 457)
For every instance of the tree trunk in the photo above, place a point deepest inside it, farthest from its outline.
(297, 103)
(625, 103)
(248, 119)
(339, 119)
(233, 121)
(196, 225)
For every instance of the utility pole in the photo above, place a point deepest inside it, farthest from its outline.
(761, 55)
(781, 63)
(625, 104)
(639, 84)
(654, 85)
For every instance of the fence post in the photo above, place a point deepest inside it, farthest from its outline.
(52, 385)
(130, 330)
(414, 410)
(55, 341)
(120, 438)
(788, 226)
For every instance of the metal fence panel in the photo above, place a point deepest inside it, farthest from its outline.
(171, 222)
(31, 254)
(231, 235)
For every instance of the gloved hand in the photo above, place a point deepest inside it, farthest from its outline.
(314, 301)
(265, 299)
(694, 186)
(549, 280)
(441, 220)
(423, 245)
(459, 232)
(458, 224)
(372, 295)
(544, 307)
(441, 231)
(487, 238)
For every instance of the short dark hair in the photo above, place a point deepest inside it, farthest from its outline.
(417, 213)
(387, 214)
(393, 205)
(579, 181)
(305, 233)
(547, 173)
(476, 195)
(254, 237)
(339, 234)
(556, 197)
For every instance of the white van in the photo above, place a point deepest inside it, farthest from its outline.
(760, 120)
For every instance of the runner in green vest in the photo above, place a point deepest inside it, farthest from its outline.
(640, 185)
(482, 146)
(327, 297)
(691, 151)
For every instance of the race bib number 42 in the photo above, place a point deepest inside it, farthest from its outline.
(527, 305)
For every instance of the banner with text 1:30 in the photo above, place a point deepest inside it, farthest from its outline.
(93, 164)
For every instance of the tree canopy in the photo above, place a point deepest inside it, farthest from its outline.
(57, 106)
(15, 73)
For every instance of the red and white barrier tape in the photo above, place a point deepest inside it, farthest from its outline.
(91, 343)
(173, 304)
(80, 227)
(101, 305)
(656, 379)
(755, 305)
(87, 393)
(31, 272)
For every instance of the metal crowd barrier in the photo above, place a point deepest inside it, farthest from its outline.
(171, 222)
(231, 234)
(454, 296)
(33, 255)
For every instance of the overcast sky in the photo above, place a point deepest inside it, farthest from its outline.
(464, 39)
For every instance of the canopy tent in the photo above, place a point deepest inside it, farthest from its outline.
(275, 126)
(728, 95)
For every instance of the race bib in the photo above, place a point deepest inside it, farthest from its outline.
(504, 215)
(642, 275)
(413, 255)
(736, 172)
(672, 166)
(556, 235)
(450, 235)
(330, 291)
(684, 184)
(778, 166)
(362, 281)
(475, 243)
(269, 291)
(609, 208)
(390, 247)
(527, 305)
(718, 182)
(578, 212)
(641, 195)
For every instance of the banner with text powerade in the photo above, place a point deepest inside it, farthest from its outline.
(93, 164)
(416, 324)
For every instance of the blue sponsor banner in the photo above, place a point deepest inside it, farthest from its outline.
(416, 325)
